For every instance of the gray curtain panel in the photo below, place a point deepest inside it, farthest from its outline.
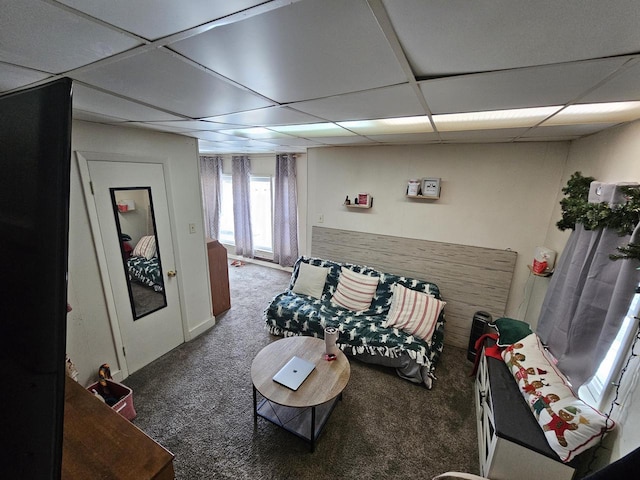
(241, 181)
(285, 228)
(587, 299)
(210, 175)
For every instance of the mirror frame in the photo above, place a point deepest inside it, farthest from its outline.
(117, 213)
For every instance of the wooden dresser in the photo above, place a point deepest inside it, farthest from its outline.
(100, 443)
(218, 276)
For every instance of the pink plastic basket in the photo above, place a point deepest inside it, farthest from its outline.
(124, 406)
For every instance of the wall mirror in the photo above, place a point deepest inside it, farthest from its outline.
(136, 224)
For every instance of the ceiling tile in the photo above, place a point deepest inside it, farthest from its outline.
(566, 130)
(158, 78)
(96, 117)
(499, 134)
(353, 140)
(217, 137)
(395, 101)
(95, 101)
(406, 138)
(266, 117)
(41, 36)
(195, 125)
(306, 50)
(15, 77)
(623, 87)
(152, 19)
(521, 88)
(459, 36)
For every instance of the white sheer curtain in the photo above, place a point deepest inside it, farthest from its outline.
(587, 300)
(285, 228)
(210, 175)
(241, 181)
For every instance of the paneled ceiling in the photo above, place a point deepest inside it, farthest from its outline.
(248, 76)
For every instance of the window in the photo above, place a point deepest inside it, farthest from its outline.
(261, 214)
(226, 211)
(597, 390)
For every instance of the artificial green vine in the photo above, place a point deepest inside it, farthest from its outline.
(593, 216)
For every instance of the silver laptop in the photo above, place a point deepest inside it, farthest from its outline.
(294, 373)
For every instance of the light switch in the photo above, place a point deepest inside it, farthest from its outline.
(192, 228)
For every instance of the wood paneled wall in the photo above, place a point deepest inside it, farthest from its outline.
(470, 278)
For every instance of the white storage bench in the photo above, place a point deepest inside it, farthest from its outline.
(511, 443)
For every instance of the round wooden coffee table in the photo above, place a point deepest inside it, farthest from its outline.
(303, 412)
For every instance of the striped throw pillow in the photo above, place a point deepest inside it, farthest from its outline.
(355, 290)
(146, 247)
(414, 312)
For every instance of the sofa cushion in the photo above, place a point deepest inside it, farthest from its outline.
(414, 312)
(310, 280)
(569, 424)
(355, 290)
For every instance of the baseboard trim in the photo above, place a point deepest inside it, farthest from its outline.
(200, 329)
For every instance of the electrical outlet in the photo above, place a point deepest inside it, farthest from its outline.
(192, 228)
(321, 218)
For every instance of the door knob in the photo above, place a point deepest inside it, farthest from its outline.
(171, 273)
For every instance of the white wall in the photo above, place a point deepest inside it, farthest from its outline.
(89, 338)
(493, 195)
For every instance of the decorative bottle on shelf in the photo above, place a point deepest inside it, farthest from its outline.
(347, 201)
(355, 200)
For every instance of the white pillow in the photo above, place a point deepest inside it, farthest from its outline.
(414, 312)
(311, 280)
(146, 247)
(355, 290)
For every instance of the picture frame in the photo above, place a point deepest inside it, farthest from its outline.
(430, 187)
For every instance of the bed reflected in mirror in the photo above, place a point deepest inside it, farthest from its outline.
(133, 209)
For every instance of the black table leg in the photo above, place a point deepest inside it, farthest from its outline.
(313, 428)
(255, 407)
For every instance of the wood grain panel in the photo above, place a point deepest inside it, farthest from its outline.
(470, 278)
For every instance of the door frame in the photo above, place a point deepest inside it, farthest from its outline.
(83, 158)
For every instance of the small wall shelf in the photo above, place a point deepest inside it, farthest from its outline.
(359, 206)
(423, 197)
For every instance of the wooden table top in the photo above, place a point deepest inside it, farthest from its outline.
(100, 443)
(325, 382)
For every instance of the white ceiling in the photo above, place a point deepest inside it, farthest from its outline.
(212, 69)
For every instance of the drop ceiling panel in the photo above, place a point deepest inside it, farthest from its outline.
(41, 36)
(623, 87)
(161, 79)
(406, 138)
(501, 134)
(92, 100)
(217, 137)
(15, 77)
(152, 19)
(266, 116)
(354, 140)
(459, 36)
(307, 50)
(96, 117)
(395, 101)
(195, 125)
(521, 88)
(566, 130)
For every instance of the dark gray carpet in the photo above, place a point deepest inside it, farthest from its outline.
(197, 402)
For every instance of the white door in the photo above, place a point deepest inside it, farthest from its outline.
(150, 336)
